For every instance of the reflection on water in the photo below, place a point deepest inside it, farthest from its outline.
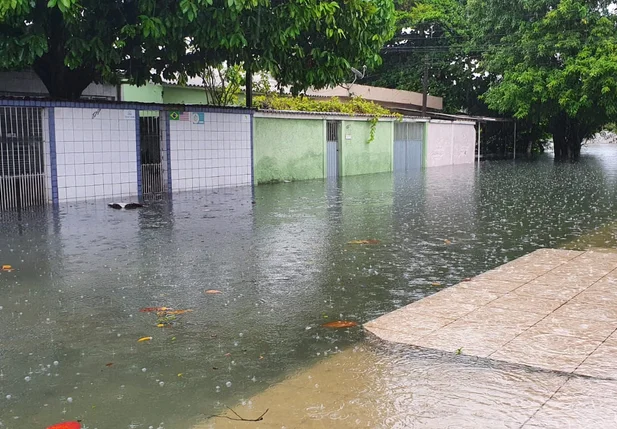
(283, 266)
(374, 386)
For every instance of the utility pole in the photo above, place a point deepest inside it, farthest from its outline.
(425, 86)
(249, 87)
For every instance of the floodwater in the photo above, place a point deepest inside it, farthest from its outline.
(69, 312)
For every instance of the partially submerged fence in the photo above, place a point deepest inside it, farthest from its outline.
(22, 165)
(57, 152)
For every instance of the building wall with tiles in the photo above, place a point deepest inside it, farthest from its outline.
(96, 153)
(210, 150)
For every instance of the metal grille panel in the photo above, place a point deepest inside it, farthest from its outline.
(150, 151)
(22, 166)
(332, 147)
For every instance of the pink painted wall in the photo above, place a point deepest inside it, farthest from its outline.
(450, 143)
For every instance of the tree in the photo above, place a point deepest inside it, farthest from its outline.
(554, 62)
(432, 34)
(71, 43)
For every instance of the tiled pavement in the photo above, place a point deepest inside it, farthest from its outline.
(551, 309)
(541, 330)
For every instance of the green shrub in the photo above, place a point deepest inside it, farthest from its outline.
(356, 105)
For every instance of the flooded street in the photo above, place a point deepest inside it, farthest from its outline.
(70, 309)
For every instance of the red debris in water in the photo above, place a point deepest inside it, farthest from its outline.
(66, 425)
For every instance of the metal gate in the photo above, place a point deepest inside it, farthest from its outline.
(408, 142)
(333, 142)
(150, 150)
(22, 166)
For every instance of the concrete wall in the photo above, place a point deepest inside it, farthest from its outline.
(395, 97)
(184, 95)
(28, 83)
(361, 157)
(149, 93)
(288, 149)
(449, 143)
(210, 150)
(95, 153)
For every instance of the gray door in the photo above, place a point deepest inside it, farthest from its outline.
(333, 148)
(408, 142)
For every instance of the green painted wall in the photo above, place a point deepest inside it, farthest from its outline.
(360, 157)
(184, 95)
(149, 93)
(288, 149)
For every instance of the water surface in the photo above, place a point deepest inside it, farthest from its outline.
(283, 265)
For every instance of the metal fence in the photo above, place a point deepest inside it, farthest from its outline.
(150, 150)
(22, 158)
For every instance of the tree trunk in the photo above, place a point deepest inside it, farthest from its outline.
(567, 138)
(61, 82)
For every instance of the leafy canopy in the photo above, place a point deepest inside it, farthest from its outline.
(555, 63)
(302, 43)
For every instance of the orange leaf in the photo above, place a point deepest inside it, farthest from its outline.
(142, 339)
(340, 324)
(152, 309)
(178, 311)
(109, 364)
(213, 292)
(6, 268)
(66, 425)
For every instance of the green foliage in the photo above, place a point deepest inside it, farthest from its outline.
(222, 84)
(356, 105)
(301, 43)
(432, 34)
(554, 62)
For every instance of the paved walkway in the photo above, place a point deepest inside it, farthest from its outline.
(536, 346)
(551, 309)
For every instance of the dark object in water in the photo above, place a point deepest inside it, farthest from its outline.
(125, 206)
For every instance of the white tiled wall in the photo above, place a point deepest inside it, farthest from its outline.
(215, 153)
(96, 153)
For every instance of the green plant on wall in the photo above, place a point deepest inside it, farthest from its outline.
(356, 105)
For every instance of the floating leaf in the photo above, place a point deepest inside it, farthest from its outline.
(340, 324)
(109, 364)
(446, 241)
(142, 339)
(459, 351)
(66, 425)
(372, 241)
(467, 279)
(153, 309)
(213, 292)
(180, 374)
(175, 312)
(161, 325)
(435, 284)
(7, 268)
